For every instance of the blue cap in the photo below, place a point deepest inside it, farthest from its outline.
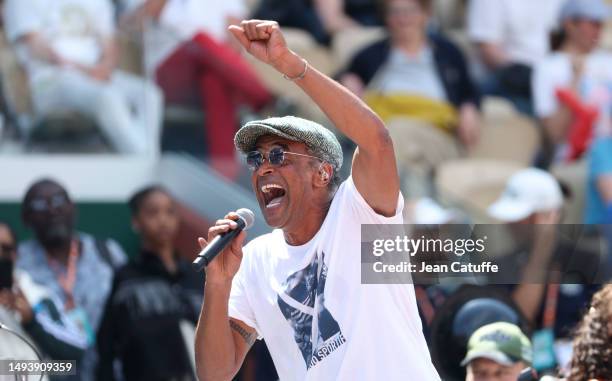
(596, 10)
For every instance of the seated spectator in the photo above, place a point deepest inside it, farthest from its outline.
(320, 18)
(69, 51)
(188, 51)
(571, 87)
(417, 75)
(497, 351)
(592, 352)
(531, 205)
(154, 299)
(599, 192)
(76, 268)
(511, 36)
(41, 316)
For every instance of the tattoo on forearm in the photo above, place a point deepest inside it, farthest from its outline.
(249, 338)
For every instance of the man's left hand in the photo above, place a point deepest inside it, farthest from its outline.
(265, 41)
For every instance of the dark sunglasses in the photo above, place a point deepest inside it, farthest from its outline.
(42, 204)
(276, 157)
(6, 248)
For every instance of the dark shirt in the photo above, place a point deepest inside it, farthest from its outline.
(302, 14)
(578, 277)
(141, 325)
(450, 66)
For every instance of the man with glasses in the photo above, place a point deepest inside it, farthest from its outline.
(76, 268)
(31, 310)
(299, 287)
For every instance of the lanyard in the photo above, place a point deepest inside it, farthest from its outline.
(67, 278)
(552, 297)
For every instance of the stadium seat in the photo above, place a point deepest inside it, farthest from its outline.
(14, 80)
(473, 184)
(506, 134)
(575, 176)
(449, 14)
(349, 42)
(131, 52)
(419, 149)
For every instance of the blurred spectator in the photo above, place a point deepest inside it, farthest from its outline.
(154, 300)
(599, 192)
(554, 278)
(70, 53)
(76, 268)
(592, 354)
(511, 36)
(417, 75)
(571, 87)
(320, 18)
(498, 351)
(39, 313)
(188, 51)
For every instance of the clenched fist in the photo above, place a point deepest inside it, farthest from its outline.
(265, 41)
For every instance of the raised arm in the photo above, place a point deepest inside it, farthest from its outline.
(374, 169)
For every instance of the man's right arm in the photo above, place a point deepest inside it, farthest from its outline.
(221, 342)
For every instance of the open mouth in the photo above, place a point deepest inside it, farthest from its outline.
(272, 194)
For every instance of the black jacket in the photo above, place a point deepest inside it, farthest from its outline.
(141, 321)
(450, 64)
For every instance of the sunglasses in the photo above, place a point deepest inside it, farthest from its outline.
(43, 204)
(276, 157)
(6, 248)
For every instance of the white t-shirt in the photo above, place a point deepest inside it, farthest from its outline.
(319, 322)
(407, 75)
(73, 28)
(180, 20)
(595, 85)
(522, 27)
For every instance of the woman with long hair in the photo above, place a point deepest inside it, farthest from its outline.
(592, 355)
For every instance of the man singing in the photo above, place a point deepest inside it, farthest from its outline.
(299, 287)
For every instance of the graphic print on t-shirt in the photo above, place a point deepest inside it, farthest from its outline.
(315, 330)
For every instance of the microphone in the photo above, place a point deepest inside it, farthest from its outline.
(217, 244)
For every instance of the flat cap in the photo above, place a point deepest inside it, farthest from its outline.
(321, 141)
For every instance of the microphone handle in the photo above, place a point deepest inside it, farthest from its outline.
(216, 246)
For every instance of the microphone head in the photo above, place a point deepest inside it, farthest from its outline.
(247, 216)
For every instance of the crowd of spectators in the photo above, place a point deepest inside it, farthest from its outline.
(78, 297)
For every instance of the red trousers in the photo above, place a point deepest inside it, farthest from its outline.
(214, 75)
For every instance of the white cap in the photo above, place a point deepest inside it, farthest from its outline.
(596, 10)
(528, 191)
(428, 212)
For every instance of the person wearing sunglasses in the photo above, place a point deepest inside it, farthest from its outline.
(299, 287)
(75, 267)
(30, 309)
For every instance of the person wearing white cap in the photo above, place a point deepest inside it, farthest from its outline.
(531, 205)
(531, 196)
(572, 86)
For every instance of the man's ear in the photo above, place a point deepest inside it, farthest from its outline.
(324, 175)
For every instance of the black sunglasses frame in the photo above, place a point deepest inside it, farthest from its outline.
(276, 158)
